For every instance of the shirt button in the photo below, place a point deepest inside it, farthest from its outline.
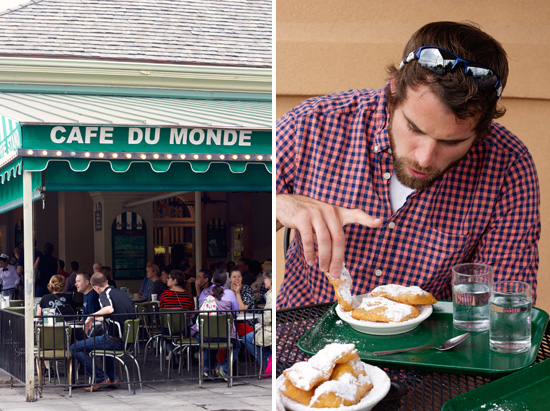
(390, 151)
(387, 176)
(376, 148)
(391, 224)
(378, 273)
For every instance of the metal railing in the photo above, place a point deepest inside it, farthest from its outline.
(156, 338)
(12, 344)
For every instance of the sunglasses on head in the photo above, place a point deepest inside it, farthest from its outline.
(442, 61)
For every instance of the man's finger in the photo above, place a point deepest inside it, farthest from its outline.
(324, 243)
(308, 242)
(356, 216)
(338, 247)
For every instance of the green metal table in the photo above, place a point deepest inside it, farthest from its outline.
(412, 389)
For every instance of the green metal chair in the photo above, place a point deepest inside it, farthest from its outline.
(151, 325)
(19, 310)
(17, 303)
(178, 325)
(219, 326)
(131, 331)
(52, 344)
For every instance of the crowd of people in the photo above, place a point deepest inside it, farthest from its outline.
(224, 286)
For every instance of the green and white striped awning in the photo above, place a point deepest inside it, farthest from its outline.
(34, 108)
(92, 142)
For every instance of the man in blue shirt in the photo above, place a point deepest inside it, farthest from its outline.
(145, 287)
(112, 301)
(90, 303)
(91, 298)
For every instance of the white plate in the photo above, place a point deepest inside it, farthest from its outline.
(381, 385)
(375, 328)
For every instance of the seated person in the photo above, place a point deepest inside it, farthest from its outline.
(220, 299)
(164, 272)
(260, 339)
(157, 285)
(243, 292)
(258, 286)
(112, 301)
(108, 272)
(145, 287)
(245, 298)
(60, 302)
(176, 296)
(9, 279)
(203, 281)
(90, 302)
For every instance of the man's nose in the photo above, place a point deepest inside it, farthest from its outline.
(426, 153)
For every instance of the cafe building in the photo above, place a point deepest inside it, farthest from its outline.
(136, 131)
(114, 129)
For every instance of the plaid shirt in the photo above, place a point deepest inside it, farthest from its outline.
(485, 209)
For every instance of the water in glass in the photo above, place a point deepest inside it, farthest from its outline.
(471, 306)
(510, 324)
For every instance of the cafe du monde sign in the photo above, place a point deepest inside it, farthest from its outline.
(152, 136)
(135, 139)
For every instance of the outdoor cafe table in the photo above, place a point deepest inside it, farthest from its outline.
(411, 389)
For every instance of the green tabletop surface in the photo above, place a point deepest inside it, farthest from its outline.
(472, 357)
(528, 389)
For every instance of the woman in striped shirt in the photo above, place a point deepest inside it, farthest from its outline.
(176, 296)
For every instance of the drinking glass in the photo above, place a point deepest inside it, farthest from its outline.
(471, 284)
(510, 324)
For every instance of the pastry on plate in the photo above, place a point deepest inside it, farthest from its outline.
(346, 384)
(307, 375)
(380, 309)
(407, 295)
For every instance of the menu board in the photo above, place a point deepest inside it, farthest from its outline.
(129, 237)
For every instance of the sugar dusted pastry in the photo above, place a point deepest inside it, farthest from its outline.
(346, 391)
(304, 376)
(342, 288)
(407, 295)
(353, 367)
(295, 393)
(347, 384)
(332, 354)
(380, 309)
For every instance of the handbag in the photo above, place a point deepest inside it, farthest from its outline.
(209, 304)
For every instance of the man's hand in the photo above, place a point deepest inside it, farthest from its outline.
(88, 324)
(321, 222)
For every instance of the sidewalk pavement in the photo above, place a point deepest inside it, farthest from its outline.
(249, 394)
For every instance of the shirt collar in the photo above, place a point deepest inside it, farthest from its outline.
(381, 140)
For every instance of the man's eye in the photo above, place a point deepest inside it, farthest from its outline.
(452, 143)
(412, 129)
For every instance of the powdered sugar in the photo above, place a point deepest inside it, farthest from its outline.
(345, 388)
(396, 289)
(344, 289)
(304, 375)
(326, 357)
(394, 311)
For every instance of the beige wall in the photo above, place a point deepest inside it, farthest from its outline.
(331, 45)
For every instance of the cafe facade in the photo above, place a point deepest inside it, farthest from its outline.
(121, 150)
(117, 156)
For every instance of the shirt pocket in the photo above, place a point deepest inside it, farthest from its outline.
(445, 249)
